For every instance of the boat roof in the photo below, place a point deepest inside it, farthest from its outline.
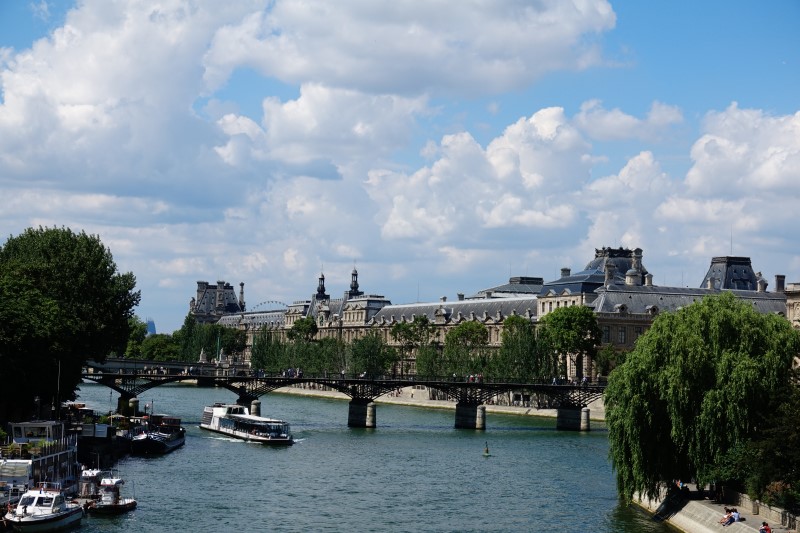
(112, 482)
(257, 419)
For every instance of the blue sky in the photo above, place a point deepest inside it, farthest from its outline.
(439, 147)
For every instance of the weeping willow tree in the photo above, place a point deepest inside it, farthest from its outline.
(698, 383)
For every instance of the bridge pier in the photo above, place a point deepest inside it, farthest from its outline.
(575, 419)
(361, 413)
(127, 405)
(470, 416)
(255, 408)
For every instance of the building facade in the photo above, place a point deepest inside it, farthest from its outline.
(615, 284)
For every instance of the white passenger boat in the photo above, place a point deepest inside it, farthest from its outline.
(236, 421)
(44, 508)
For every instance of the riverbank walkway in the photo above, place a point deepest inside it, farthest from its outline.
(698, 514)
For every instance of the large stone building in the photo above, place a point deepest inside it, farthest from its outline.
(615, 284)
(215, 301)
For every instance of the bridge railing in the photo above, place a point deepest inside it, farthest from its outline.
(212, 372)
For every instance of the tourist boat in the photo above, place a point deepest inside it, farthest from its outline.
(236, 421)
(110, 501)
(162, 434)
(45, 508)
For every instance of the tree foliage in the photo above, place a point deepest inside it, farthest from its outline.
(568, 332)
(304, 329)
(698, 384)
(465, 349)
(415, 339)
(137, 335)
(371, 355)
(268, 353)
(519, 358)
(160, 347)
(63, 302)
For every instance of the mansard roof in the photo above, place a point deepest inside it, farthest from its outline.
(593, 275)
(480, 308)
(729, 272)
(254, 319)
(516, 286)
(654, 299)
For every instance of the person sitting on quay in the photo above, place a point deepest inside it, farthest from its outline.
(764, 528)
(727, 518)
(731, 517)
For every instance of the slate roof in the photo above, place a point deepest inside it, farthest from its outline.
(647, 299)
(593, 275)
(516, 286)
(481, 308)
(254, 319)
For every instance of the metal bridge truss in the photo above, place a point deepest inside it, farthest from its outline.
(361, 390)
(132, 385)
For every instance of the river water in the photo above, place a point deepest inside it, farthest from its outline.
(413, 473)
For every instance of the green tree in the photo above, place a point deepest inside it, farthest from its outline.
(78, 308)
(465, 349)
(607, 358)
(568, 333)
(518, 357)
(190, 339)
(304, 329)
(161, 347)
(697, 385)
(370, 354)
(413, 338)
(136, 337)
(268, 352)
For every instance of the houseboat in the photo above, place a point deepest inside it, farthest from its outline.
(161, 435)
(38, 451)
(236, 421)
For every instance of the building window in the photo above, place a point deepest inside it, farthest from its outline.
(637, 332)
(606, 334)
(549, 306)
(621, 335)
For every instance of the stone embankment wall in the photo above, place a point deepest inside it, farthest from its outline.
(702, 515)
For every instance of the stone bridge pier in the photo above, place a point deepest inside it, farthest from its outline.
(361, 413)
(470, 416)
(573, 419)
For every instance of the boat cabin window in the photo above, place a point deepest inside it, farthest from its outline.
(45, 501)
(59, 500)
(27, 500)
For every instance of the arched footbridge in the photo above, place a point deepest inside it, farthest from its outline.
(470, 396)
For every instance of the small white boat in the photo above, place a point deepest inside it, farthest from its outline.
(110, 501)
(236, 421)
(44, 508)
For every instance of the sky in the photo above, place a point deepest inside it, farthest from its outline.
(438, 147)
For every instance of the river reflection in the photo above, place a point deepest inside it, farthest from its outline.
(414, 472)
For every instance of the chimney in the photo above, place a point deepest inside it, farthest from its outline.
(762, 285)
(780, 283)
(710, 283)
(488, 294)
(565, 272)
(610, 267)
(443, 299)
(460, 296)
(648, 280)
